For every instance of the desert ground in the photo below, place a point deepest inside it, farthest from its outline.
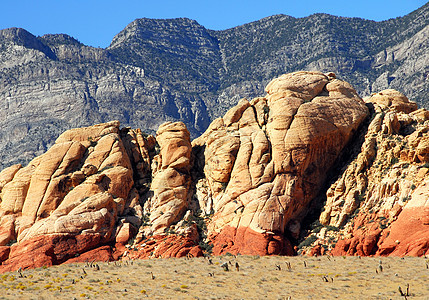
(247, 277)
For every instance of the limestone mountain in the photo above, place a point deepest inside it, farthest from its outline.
(177, 70)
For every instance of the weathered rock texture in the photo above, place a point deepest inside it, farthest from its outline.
(171, 177)
(267, 159)
(81, 194)
(380, 200)
(244, 186)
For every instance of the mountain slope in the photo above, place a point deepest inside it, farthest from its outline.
(166, 70)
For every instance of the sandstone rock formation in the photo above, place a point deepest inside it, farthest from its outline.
(380, 200)
(265, 160)
(82, 192)
(244, 186)
(171, 177)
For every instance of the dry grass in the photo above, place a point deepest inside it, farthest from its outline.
(257, 278)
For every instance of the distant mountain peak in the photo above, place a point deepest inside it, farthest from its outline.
(22, 37)
(158, 70)
(145, 28)
(59, 39)
(18, 36)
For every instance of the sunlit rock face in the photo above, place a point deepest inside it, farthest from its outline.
(266, 159)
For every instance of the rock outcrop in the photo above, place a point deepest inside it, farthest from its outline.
(245, 186)
(267, 159)
(169, 196)
(379, 202)
(81, 194)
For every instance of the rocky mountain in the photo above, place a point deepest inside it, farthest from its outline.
(308, 168)
(177, 70)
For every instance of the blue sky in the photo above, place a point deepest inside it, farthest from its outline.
(95, 22)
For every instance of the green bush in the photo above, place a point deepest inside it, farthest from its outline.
(332, 228)
(307, 242)
(394, 160)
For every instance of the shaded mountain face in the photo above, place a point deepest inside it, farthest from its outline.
(168, 70)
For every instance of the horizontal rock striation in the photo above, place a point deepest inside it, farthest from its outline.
(176, 70)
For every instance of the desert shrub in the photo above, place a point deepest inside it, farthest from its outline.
(406, 198)
(266, 109)
(317, 229)
(307, 242)
(360, 197)
(355, 213)
(11, 242)
(131, 241)
(394, 160)
(205, 246)
(382, 225)
(145, 220)
(157, 148)
(316, 226)
(200, 221)
(92, 142)
(332, 228)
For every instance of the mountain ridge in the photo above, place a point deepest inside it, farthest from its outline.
(176, 69)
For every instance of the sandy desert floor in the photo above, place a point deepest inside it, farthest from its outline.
(202, 278)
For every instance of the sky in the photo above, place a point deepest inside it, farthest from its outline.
(96, 22)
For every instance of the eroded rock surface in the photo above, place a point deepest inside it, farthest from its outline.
(244, 186)
(80, 187)
(379, 202)
(168, 198)
(88, 190)
(265, 160)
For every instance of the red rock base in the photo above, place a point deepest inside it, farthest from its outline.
(57, 249)
(163, 246)
(47, 250)
(367, 235)
(246, 241)
(408, 235)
